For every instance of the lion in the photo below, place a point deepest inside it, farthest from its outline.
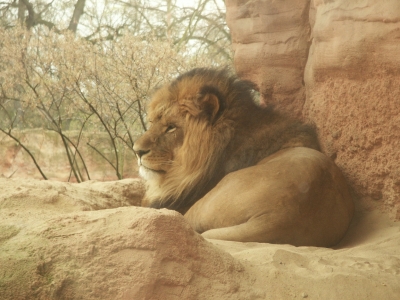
(237, 171)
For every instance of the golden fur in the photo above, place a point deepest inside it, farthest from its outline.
(202, 127)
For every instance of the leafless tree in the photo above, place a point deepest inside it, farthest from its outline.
(59, 82)
(90, 66)
(196, 27)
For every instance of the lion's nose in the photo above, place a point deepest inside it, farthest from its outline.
(140, 153)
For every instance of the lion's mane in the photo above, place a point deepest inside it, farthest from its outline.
(223, 130)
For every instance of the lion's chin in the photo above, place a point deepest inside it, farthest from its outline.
(149, 174)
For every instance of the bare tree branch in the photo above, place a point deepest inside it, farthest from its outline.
(9, 133)
(78, 11)
(30, 20)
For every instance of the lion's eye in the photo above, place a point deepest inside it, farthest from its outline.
(170, 128)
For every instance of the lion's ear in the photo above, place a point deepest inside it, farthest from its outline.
(207, 104)
(210, 102)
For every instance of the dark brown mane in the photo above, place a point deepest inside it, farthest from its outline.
(224, 130)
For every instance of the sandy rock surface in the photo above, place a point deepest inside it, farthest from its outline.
(336, 64)
(71, 241)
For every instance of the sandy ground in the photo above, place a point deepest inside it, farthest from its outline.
(87, 241)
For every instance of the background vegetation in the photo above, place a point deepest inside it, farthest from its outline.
(85, 68)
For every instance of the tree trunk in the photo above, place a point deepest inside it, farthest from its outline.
(21, 12)
(78, 11)
(30, 20)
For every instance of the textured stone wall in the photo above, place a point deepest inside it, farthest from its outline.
(335, 63)
(271, 42)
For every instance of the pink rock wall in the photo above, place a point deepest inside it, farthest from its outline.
(335, 63)
(271, 42)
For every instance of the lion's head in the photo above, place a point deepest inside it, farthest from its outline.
(199, 130)
(178, 154)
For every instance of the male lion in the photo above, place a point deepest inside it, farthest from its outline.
(236, 171)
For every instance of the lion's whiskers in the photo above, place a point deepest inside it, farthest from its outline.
(167, 163)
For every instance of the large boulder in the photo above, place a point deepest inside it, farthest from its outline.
(335, 63)
(68, 241)
(71, 241)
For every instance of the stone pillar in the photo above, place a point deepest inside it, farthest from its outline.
(271, 41)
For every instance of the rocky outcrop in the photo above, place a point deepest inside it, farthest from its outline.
(52, 247)
(335, 63)
(72, 241)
